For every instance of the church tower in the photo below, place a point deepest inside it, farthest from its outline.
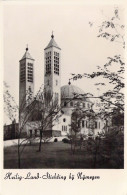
(52, 76)
(26, 77)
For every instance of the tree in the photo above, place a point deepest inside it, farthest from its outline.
(78, 115)
(50, 110)
(24, 113)
(113, 70)
(33, 112)
(76, 118)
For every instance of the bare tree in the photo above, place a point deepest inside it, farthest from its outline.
(50, 110)
(23, 113)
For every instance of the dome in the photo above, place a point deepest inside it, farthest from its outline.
(68, 91)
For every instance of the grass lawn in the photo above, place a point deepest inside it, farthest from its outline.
(53, 155)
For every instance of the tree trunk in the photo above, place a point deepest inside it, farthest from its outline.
(81, 141)
(40, 141)
(30, 141)
(95, 158)
(19, 162)
(80, 145)
(96, 151)
(71, 145)
(74, 145)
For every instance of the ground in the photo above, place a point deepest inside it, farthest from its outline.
(52, 155)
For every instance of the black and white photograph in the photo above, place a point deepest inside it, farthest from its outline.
(63, 86)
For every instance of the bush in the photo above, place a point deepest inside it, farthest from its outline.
(55, 140)
(65, 140)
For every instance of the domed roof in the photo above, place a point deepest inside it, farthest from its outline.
(68, 91)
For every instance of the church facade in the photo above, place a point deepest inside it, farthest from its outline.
(52, 85)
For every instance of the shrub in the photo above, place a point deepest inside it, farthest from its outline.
(55, 140)
(65, 140)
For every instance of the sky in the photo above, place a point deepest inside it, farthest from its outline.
(81, 50)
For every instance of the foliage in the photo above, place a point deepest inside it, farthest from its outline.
(107, 149)
(76, 136)
(113, 70)
(65, 140)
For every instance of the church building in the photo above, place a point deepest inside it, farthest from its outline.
(52, 85)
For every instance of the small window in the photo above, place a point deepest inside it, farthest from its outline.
(83, 124)
(64, 120)
(95, 124)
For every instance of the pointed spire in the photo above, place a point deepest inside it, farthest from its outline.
(27, 47)
(52, 36)
(52, 43)
(27, 54)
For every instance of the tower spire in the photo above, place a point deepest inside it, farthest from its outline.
(27, 47)
(52, 36)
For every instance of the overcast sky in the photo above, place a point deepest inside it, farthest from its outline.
(81, 50)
